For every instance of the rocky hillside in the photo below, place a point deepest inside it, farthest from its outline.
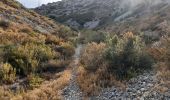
(33, 50)
(96, 13)
(13, 11)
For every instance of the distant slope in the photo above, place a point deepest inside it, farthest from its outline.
(147, 19)
(151, 18)
(98, 13)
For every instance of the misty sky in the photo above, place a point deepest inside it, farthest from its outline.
(35, 3)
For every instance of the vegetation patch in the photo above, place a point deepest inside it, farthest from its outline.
(4, 24)
(89, 36)
(112, 62)
(7, 73)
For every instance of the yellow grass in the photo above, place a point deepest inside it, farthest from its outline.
(50, 90)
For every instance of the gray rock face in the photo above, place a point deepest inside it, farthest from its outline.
(85, 13)
(91, 24)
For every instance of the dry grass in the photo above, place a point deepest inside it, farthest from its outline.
(50, 90)
(5, 94)
(162, 56)
(92, 82)
(163, 73)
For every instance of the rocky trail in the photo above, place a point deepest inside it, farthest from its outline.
(72, 91)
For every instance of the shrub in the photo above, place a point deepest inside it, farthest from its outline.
(4, 24)
(162, 56)
(34, 81)
(67, 50)
(127, 56)
(167, 55)
(28, 57)
(51, 39)
(20, 38)
(64, 32)
(92, 56)
(89, 36)
(7, 73)
(26, 30)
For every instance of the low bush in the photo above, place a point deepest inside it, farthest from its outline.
(64, 32)
(67, 50)
(94, 72)
(162, 56)
(4, 24)
(26, 30)
(93, 56)
(127, 56)
(28, 57)
(89, 36)
(51, 39)
(34, 81)
(7, 73)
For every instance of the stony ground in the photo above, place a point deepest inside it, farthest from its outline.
(139, 88)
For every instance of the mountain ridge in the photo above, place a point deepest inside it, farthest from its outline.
(91, 14)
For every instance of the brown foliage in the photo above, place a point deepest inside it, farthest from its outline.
(92, 56)
(94, 73)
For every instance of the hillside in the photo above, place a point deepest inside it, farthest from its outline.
(92, 14)
(124, 48)
(120, 50)
(35, 52)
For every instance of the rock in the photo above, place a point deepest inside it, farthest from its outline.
(142, 89)
(91, 24)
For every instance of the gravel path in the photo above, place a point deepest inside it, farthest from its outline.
(72, 91)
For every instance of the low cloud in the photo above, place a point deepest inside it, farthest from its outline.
(134, 3)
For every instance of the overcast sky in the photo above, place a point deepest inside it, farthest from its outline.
(35, 3)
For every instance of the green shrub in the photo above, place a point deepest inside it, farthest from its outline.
(4, 24)
(7, 73)
(34, 81)
(127, 56)
(28, 57)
